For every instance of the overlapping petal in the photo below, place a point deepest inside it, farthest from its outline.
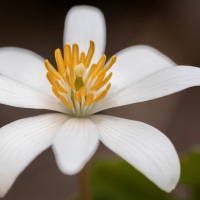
(85, 23)
(161, 83)
(134, 63)
(74, 144)
(143, 146)
(141, 73)
(25, 67)
(21, 142)
(16, 94)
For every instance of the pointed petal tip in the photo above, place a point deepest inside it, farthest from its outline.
(143, 146)
(173, 183)
(170, 187)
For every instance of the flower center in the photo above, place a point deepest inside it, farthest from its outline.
(78, 83)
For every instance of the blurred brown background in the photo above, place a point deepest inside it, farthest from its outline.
(173, 27)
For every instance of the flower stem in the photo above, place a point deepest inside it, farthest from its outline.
(84, 180)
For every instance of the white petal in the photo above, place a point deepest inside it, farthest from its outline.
(161, 83)
(85, 23)
(16, 94)
(74, 144)
(25, 67)
(135, 63)
(143, 146)
(21, 142)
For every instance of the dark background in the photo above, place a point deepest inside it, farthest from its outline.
(173, 27)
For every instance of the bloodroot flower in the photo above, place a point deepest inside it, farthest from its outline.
(83, 85)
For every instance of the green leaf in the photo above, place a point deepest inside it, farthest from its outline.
(120, 181)
(190, 173)
(117, 180)
(190, 163)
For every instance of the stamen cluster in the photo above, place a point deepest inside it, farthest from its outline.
(77, 83)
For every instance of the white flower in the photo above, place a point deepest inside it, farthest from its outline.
(140, 73)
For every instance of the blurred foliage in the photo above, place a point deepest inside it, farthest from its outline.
(117, 180)
(190, 173)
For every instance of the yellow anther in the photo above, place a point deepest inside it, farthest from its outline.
(96, 87)
(60, 62)
(110, 64)
(90, 72)
(99, 66)
(52, 70)
(82, 59)
(56, 84)
(77, 97)
(79, 70)
(56, 93)
(53, 82)
(75, 54)
(102, 94)
(82, 91)
(65, 102)
(72, 76)
(50, 78)
(61, 88)
(69, 82)
(67, 56)
(89, 54)
(99, 80)
(89, 99)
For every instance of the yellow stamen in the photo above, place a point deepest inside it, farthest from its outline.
(99, 80)
(102, 94)
(83, 91)
(56, 92)
(69, 82)
(52, 70)
(53, 82)
(99, 66)
(90, 72)
(74, 83)
(60, 62)
(89, 99)
(72, 76)
(67, 56)
(79, 70)
(75, 54)
(96, 87)
(65, 102)
(77, 97)
(113, 60)
(89, 54)
(56, 84)
(82, 59)
(61, 88)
